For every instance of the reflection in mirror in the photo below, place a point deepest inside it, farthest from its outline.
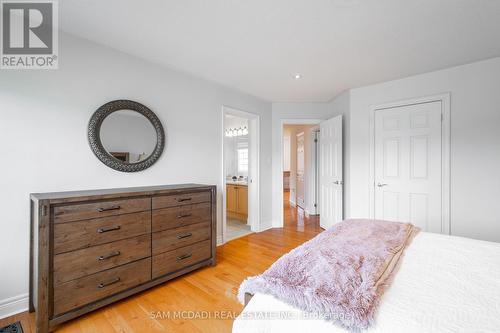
(128, 136)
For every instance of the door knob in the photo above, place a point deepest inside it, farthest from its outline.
(381, 185)
(338, 182)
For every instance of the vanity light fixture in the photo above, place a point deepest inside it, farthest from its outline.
(240, 131)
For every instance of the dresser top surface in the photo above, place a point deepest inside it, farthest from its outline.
(71, 196)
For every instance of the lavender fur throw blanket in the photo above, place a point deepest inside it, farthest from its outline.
(340, 274)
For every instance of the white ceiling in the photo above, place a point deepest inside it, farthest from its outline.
(257, 46)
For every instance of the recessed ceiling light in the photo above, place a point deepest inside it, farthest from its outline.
(297, 76)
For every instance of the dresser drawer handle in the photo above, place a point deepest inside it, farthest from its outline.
(185, 256)
(111, 255)
(180, 216)
(183, 199)
(108, 209)
(185, 235)
(105, 284)
(102, 230)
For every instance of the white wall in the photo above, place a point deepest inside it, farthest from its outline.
(43, 135)
(475, 142)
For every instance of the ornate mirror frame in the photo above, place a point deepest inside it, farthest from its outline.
(94, 135)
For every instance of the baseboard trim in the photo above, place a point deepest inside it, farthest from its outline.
(13, 305)
(219, 241)
(267, 228)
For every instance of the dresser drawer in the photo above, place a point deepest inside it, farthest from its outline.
(172, 261)
(175, 217)
(76, 293)
(82, 234)
(100, 209)
(73, 265)
(180, 199)
(172, 239)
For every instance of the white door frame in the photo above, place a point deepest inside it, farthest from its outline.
(254, 213)
(306, 121)
(445, 99)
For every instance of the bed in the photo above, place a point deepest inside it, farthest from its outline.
(444, 284)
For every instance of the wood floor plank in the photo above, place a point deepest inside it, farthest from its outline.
(210, 291)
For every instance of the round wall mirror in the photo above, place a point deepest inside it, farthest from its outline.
(126, 136)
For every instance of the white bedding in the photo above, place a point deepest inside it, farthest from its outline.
(444, 284)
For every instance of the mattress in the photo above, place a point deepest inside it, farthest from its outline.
(444, 284)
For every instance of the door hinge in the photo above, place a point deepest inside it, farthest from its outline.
(315, 140)
(315, 205)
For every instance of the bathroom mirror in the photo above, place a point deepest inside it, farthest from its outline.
(126, 136)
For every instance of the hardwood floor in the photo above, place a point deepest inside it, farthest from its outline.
(203, 301)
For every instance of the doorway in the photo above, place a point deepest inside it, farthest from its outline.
(240, 176)
(324, 186)
(300, 169)
(300, 173)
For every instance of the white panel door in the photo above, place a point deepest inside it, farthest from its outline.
(408, 165)
(330, 172)
(300, 184)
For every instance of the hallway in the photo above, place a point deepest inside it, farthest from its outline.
(296, 219)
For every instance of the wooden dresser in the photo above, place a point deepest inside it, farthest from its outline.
(91, 248)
